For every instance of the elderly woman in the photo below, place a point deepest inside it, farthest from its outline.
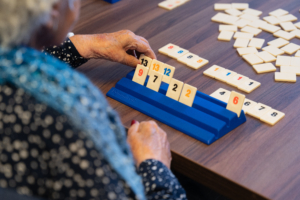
(59, 139)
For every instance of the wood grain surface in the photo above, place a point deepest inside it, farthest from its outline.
(254, 161)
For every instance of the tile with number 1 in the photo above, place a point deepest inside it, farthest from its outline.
(140, 74)
(174, 89)
(212, 71)
(188, 95)
(236, 102)
(154, 81)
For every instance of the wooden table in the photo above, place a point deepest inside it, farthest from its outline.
(255, 161)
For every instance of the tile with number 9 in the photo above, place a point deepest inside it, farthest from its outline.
(174, 89)
(156, 66)
(236, 102)
(140, 74)
(168, 73)
(188, 95)
(154, 81)
(145, 61)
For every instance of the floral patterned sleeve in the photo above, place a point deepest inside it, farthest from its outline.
(67, 53)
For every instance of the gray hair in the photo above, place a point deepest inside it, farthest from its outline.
(20, 18)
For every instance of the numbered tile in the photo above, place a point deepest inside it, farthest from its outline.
(167, 49)
(237, 80)
(254, 31)
(177, 52)
(222, 6)
(284, 35)
(266, 57)
(240, 6)
(288, 26)
(257, 43)
(221, 94)
(247, 50)
(212, 71)
(272, 20)
(290, 69)
(197, 62)
(295, 62)
(232, 28)
(174, 90)
(249, 85)
(273, 50)
(242, 23)
(272, 117)
(168, 73)
(291, 48)
(235, 103)
(259, 110)
(241, 43)
(278, 42)
(264, 68)
(253, 12)
(187, 58)
(243, 35)
(285, 77)
(287, 18)
(279, 12)
(225, 75)
(167, 5)
(140, 74)
(253, 59)
(154, 81)
(248, 105)
(145, 61)
(283, 61)
(156, 66)
(225, 35)
(188, 95)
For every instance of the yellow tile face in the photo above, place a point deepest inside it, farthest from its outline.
(140, 74)
(235, 103)
(259, 110)
(156, 66)
(252, 12)
(295, 62)
(272, 117)
(222, 6)
(166, 49)
(288, 26)
(243, 35)
(221, 94)
(283, 61)
(273, 50)
(264, 68)
(278, 42)
(177, 52)
(284, 35)
(233, 12)
(241, 43)
(256, 42)
(266, 57)
(168, 73)
(253, 59)
(242, 23)
(249, 85)
(232, 28)
(240, 6)
(188, 95)
(225, 35)
(270, 28)
(212, 71)
(174, 89)
(254, 31)
(272, 20)
(291, 48)
(248, 104)
(145, 61)
(290, 69)
(247, 50)
(278, 12)
(237, 80)
(154, 81)
(287, 18)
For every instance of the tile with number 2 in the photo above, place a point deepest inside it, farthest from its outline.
(188, 95)
(174, 89)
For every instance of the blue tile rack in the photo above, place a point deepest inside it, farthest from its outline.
(207, 120)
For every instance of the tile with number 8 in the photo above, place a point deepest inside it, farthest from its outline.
(145, 61)
(177, 52)
(235, 103)
(154, 81)
(174, 89)
(140, 74)
(186, 58)
(272, 117)
(168, 73)
(188, 95)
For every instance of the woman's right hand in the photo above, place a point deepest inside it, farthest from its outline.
(148, 141)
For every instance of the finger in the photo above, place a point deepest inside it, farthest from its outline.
(130, 60)
(143, 47)
(133, 128)
(132, 53)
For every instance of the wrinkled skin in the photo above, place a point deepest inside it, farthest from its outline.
(148, 141)
(122, 47)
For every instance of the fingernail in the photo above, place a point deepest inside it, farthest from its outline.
(133, 122)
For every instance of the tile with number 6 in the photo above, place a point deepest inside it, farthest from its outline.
(188, 95)
(168, 72)
(236, 102)
(145, 61)
(272, 117)
(248, 104)
(140, 74)
(156, 66)
(174, 89)
(154, 81)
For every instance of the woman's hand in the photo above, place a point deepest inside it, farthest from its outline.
(148, 141)
(121, 46)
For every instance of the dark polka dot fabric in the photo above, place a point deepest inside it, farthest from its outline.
(43, 155)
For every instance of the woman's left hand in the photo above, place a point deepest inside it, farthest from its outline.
(122, 46)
